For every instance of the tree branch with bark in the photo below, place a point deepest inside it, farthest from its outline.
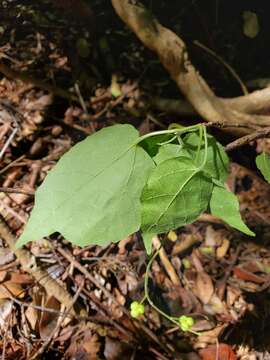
(173, 54)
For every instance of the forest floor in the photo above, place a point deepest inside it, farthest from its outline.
(63, 77)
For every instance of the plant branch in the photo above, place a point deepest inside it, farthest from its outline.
(16, 191)
(248, 138)
(172, 53)
(28, 263)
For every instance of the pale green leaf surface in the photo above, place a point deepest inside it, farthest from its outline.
(170, 151)
(263, 164)
(224, 204)
(217, 163)
(147, 240)
(92, 196)
(175, 195)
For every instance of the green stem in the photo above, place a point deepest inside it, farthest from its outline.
(168, 141)
(146, 281)
(205, 148)
(147, 296)
(199, 146)
(171, 131)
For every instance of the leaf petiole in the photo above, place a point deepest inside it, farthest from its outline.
(169, 131)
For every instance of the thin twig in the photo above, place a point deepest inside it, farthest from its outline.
(221, 125)
(166, 262)
(14, 131)
(28, 263)
(83, 105)
(15, 75)
(225, 64)
(36, 307)
(248, 138)
(16, 191)
(13, 163)
(90, 277)
(56, 329)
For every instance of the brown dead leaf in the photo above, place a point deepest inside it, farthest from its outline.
(217, 352)
(10, 288)
(48, 320)
(31, 315)
(5, 311)
(215, 306)
(6, 256)
(19, 278)
(203, 287)
(254, 266)
(115, 350)
(245, 275)
(3, 275)
(91, 345)
(209, 337)
(186, 241)
(65, 333)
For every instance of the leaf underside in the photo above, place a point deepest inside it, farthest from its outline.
(92, 196)
(224, 204)
(175, 195)
(263, 164)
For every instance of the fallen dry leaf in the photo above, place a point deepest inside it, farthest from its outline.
(9, 288)
(203, 287)
(6, 256)
(243, 274)
(5, 311)
(31, 315)
(48, 320)
(19, 278)
(91, 345)
(217, 352)
(209, 337)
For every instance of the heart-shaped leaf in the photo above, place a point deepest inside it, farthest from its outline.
(217, 160)
(176, 194)
(92, 196)
(170, 151)
(263, 164)
(224, 204)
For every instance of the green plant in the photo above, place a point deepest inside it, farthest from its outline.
(115, 182)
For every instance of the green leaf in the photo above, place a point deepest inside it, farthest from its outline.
(224, 204)
(263, 164)
(217, 163)
(176, 194)
(170, 151)
(92, 196)
(151, 144)
(147, 240)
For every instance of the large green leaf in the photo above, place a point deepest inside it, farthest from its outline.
(217, 160)
(169, 151)
(263, 164)
(224, 204)
(176, 194)
(92, 196)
